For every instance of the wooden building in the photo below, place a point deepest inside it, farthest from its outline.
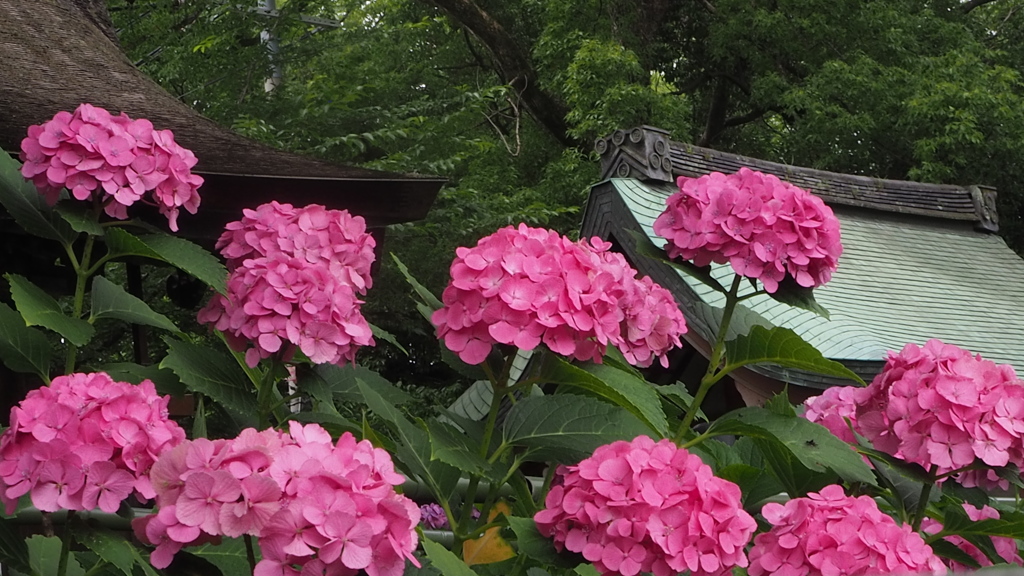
(920, 261)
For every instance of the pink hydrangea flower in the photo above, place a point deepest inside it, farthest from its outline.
(295, 279)
(112, 160)
(84, 442)
(940, 406)
(836, 409)
(831, 534)
(646, 506)
(316, 506)
(763, 227)
(1005, 547)
(527, 286)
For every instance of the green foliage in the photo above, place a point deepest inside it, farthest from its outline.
(40, 309)
(783, 347)
(23, 349)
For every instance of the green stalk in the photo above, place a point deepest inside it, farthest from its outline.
(710, 375)
(250, 552)
(82, 277)
(65, 546)
(264, 393)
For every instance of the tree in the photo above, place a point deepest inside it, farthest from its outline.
(505, 97)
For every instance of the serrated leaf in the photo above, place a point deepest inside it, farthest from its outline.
(111, 301)
(947, 549)
(812, 444)
(80, 219)
(23, 349)
(335, 423)
(44, 556)
(165, 380)
(618, 387)
(679, 395)
(1009, 524)
(455, 448)
(567, 428)
(342, 380)
(382, 334)
(755, 484)
(425, 295)
(215, 374)
(178, 252)
(448, 563)
(229, 555)
(111, 548)
(645, 247)
(413, 445)
(27, 206)
(782, 347)
(789, 292)
(40, 309)
(13, 549)
(537, 546)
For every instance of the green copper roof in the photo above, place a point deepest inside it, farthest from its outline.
(900, 279)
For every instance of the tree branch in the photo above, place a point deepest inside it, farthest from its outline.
(967, 7)
(512, 63)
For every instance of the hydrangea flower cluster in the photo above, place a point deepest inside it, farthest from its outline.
(830, 533)
(940, 406)
(836, 410)
(112, 159)
(84, 442)
(1005, 547)
(317, 507)
(646, 506)
(763, 227)
(432, 516)
(295, 279)
(526, 286)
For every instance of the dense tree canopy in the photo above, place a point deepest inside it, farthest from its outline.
(505, 97)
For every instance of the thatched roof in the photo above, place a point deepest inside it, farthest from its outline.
(56, 54)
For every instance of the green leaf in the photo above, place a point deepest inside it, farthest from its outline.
(13, 549)
(80, 219)
(44, 556)
(756, 485)
(679, 395)
(166, 381)
(812, 444)
(108, 546)
(567, 428)
(178, 252)
(454, 447)
(533, 544)
(40, 309)
(789, 292)
(23, 349)
(229, 555)
(618, 387)
(343, 381)
(111, 301)
(27, 205)
(782, 347)
(335, 424)
(1010, 524)
(645, 247)
(426, 296)
(215, 374)
(388, 337)
(199, 427)
(947, 549)
(795, 478)
(414, 449)
(449, 564)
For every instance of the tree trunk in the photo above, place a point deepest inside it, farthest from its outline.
(513, 65)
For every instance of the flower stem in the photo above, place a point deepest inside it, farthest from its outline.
(250, 552)
(82, 277)
(717, 351)
(65, 545)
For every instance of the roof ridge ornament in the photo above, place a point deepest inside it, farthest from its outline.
(984, 198)
(643, 152)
